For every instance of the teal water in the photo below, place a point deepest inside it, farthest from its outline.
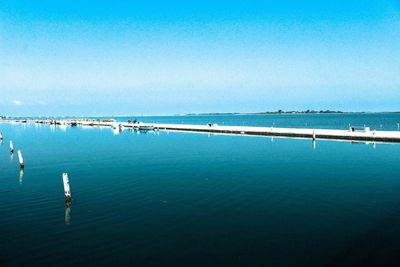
(184, 199)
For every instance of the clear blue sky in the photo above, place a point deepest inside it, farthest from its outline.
(166, 57)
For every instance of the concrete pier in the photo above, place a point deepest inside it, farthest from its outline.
(352, 134)
(375, 136)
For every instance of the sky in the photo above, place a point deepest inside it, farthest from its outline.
(103, 58)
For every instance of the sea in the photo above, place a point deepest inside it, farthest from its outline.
(193, 199)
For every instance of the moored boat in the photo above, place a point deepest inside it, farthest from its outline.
(146, 128)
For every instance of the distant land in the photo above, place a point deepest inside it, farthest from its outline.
(308, 111)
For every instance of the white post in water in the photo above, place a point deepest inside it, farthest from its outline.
(1, 136)
(313, 135)
(21, 159)
(11, 147)
(67, 191)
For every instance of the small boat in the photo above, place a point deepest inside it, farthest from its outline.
(107, 120)
(146, 128)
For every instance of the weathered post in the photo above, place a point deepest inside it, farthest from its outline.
(11, 147)
(67, 191)
(21, 160)
(313, 135)
(1, 136)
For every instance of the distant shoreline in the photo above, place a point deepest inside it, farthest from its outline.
(279, 112)
(286, 112)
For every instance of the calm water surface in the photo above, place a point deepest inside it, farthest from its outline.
(183, 199)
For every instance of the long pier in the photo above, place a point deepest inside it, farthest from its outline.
(352, 134)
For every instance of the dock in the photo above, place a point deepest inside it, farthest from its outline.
(363, 134)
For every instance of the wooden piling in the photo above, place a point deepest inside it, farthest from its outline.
(1, 136)
(67, 191)
(11, 147)
(313, 135)
(21, 160)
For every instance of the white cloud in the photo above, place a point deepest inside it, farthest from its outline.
(17, 102)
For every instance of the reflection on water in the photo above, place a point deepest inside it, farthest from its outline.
(84, 127)
(63, 127)
(116, 131)
(21, 176)
(314, 144)
(68, 214)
